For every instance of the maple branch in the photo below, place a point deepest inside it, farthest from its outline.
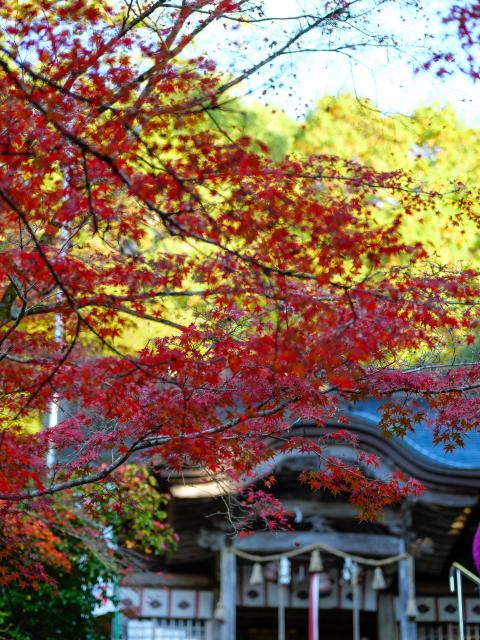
(139, 445)
(42, 78)
(89, 193)
(285, 48)
(8, 298)
(144, 316)
(86, 147)
(69, 484)
(455, 390)
(241, 19)
(38, 246)
(60, 284)
(48, 379)
(373, 185)
(170, 54)
(265, 268)
(21, 313)
(165, 217)
(449, 365)
(317, 21)
(103, 49)
(112, 301)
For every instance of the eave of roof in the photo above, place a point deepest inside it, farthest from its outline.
(420, 441)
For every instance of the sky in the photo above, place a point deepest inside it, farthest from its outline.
(385, 74)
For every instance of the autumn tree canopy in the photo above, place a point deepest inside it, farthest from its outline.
(267, 290)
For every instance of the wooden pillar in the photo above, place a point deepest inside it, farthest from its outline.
(356, 601)
(282, 599)
(228, 591)
(408, 627)
(386, 622)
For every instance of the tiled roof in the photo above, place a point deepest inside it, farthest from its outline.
(420, 442)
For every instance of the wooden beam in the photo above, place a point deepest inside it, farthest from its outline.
(150, 579)
(393, 521)
(362, 544)
(445, 499)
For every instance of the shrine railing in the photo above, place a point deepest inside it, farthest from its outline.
(457, 571)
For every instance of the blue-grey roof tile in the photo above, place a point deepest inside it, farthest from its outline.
(420, 442)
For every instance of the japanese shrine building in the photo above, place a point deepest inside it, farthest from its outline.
(209, 590)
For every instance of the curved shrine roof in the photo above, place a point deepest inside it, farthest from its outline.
(420, 442)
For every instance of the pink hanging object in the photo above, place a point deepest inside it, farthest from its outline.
(476, 549)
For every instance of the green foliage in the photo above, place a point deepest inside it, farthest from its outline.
(63, 611)
(268, 126)
(136, 512)
(131, 511)
(271, 132)
(432, 144)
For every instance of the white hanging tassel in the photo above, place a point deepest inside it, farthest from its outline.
(347, 569)
(219, 613)
(412, 611)
(256, 577)
(284, 571)
(378, 581)
(316, 564)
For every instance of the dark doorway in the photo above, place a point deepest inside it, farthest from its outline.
(257, 623)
